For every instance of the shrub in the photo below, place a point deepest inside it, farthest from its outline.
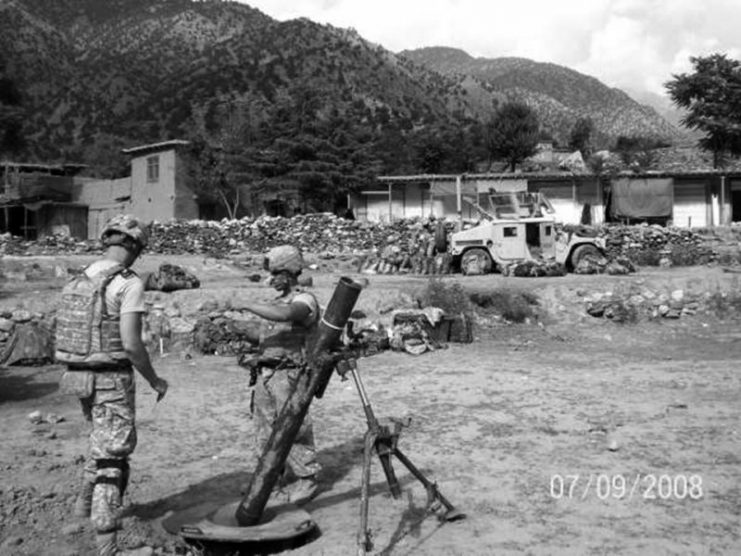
(724, 304)
(729, 257)
(448, 296)
(689, 255)
(513, 305)
(644, 257)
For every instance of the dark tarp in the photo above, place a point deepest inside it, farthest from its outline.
(642, 198)
(30, 344)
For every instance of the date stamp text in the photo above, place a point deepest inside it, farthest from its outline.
(648, 486)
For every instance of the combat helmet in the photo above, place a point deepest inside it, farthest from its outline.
(284, 257)
(128, 225)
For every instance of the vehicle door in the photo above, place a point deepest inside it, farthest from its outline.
(511, 244)
(547, 238)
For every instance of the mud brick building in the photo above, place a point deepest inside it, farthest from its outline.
(38, 200)
(690, 199)
(156, 189)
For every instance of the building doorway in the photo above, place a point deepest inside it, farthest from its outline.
(736, 205)
(19, 221)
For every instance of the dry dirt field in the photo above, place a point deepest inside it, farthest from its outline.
(582, 436)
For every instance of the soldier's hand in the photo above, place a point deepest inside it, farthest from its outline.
(160, 386)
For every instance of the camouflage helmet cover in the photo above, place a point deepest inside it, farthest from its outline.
(284, 257)
(128, 225)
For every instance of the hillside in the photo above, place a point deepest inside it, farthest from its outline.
(99, 75)
(125, 71)
(559, 94)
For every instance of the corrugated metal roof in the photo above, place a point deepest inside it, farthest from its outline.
(35, 166)
(535, 176)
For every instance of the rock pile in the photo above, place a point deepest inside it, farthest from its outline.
(667, 246)
(645, 303)
(49, 245)
(317, 233)
(410, 245)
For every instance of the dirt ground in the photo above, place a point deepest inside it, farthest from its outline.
(581, 436)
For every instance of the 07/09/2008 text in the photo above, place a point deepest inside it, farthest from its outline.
(625, 487)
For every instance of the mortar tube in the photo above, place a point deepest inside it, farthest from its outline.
(332, 324)
(314, 380)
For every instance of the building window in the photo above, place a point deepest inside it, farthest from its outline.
(510, 232)
(153, 169)
(547, 230)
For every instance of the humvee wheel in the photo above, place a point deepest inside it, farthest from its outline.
(582, 252)
(478, 259)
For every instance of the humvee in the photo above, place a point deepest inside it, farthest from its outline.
(519, 227)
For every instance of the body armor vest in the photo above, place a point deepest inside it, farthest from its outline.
(86, 334)
(286, 340)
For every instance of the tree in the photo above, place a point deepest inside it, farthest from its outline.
(638, 152)
(712, 97)
(430, 151)
(580, 138)
(12, 140)
(513, 132)
(230, 162)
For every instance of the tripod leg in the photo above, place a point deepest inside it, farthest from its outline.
(432, 492)
(384, 449)
(364, 536)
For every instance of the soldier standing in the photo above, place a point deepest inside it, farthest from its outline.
(98, 337)
(290, 319)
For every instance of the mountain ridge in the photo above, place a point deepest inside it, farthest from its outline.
(577, 94)
(101, 75)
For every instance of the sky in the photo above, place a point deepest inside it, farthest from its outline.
(635, 45)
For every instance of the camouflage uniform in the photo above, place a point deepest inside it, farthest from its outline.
(284, 341)
(111, 411)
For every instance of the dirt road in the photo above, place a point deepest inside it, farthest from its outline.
(580, 437)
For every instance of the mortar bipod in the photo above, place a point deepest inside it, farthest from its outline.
(384, 440)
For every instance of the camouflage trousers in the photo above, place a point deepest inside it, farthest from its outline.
(271, 391)
(111, 411)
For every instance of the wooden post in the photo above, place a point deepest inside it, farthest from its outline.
(391, 203)
(458, 205)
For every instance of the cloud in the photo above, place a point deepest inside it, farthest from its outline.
(633, 44)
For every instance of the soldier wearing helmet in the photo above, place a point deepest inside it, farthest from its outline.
(109, 403)
(289, 320)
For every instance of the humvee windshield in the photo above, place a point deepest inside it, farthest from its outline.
(516, 205)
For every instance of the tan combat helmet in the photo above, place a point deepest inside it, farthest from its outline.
(128, 225)
(284, 257)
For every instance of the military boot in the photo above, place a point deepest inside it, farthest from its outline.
(303, 490)
(107, 543)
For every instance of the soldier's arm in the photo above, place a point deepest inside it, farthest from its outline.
(131, 329)
(293, 312)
